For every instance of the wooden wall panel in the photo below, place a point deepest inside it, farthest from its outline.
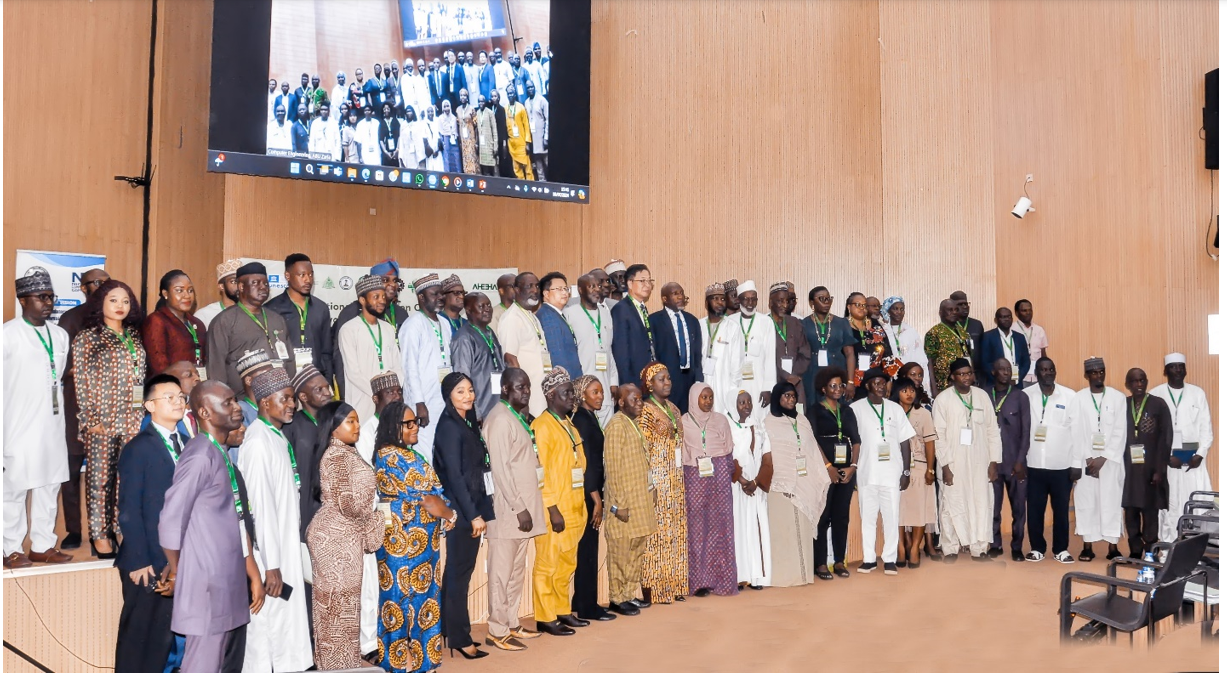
(65, 620)
(89, 63)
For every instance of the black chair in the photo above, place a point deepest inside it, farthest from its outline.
(1123, 613)
(1203, 590)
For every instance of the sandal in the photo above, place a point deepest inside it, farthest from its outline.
(1086, 556)
(824, 573)
(841, 570)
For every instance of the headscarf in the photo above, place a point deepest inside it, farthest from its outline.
(808, 493)
(731, 406)
(719, 435)
(777, 393)
(890, 301)
(580, 384)
(649, 371)
(449, 383)
(556, 378)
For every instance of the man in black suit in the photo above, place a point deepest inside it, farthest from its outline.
(146, 469)
(437, 81)
(454, 80)
(633, 334)
(678, 344)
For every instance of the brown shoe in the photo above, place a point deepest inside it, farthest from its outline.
(51, 555)
(16, 560)
(506, 643)
(521, 633)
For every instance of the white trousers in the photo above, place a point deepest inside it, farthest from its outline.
(43, 506)
(1097, 504)
(875, 499)
(1181, 483)
(368, 630)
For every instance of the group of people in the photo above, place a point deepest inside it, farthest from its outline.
(276, 485)
(489, 117)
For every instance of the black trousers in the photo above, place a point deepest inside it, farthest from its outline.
(144, 640)
(1043, 486)
(70, 493)
(462, 551)
(583, 603)
(1142, 526)
(835, 518)
(1017, 490)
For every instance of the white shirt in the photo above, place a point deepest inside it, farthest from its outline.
(503, 75)
(340, 94)
(590, 343)
(364, 359)
(1037, 342)
(893, 429)
(367, 135)
(678, 322)
(1190, 415)
(35, 450)
(325, 138)
(1058, 414)
(1103, 414)
(208, 312)
(279, 136)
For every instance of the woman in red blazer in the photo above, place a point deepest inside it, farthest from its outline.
(171, 333)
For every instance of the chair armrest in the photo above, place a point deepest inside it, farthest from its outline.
(1114, 582)
(1125, 560)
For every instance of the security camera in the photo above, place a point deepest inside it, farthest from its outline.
(1023, 207)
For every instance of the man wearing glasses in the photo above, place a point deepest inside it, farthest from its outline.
(559, 336)
(633, 336)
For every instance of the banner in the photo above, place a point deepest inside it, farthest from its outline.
(65, 269)
(335, 284)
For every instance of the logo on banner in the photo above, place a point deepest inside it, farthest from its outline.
(346, 282)
(328, 284)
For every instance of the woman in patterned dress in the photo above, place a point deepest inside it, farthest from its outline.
(466, 122)
(665, 573)
(707, 464)
(346, 526)
(870, 348)
(108, 363)
(410, 632)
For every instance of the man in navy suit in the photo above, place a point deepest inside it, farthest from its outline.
(679, 344)
(301, 134)
(633, 334)
(146, 470)
(1004, 343)
(559, 337)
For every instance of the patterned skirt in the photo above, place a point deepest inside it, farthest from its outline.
(712, 555)
(665, 569)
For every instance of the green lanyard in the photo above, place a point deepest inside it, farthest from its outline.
(263, 314)
(490, 344)
(782, 332)
(48, 346)
(823, 329)
(1137, 412)
(485, 449)
(251, 403)
(1098, 409)
(881, 418)
(523, 423)
(711, 339)
(796, 432)
(643, 315)
(1008, 340)
(191, 330)
(963, 325)
(702, 431)
(438, 335)
(570, 435)
(234, 481)
(169, 447)
(390, 315)
(536, 328)
(454, 325)
(293, 461)
(669, 412)
(839, 420)
(574, 339)
(643, 440)
(895, 332)
(962, 341)
(136, 364)
(596, 324)
(312, 418)
(1175, 403)
(999, 404)
(745, 332)
(378, 342)
(302, 320)
(1043, 405)
(966, 405)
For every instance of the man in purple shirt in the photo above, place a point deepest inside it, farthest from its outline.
(210, 568)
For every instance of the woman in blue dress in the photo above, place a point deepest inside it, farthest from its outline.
(410, 638)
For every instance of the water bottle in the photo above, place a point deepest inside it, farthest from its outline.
(1147, 574)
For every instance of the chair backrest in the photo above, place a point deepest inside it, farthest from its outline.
(1183, 558)
(1200, 507)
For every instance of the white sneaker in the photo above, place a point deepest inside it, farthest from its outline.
(1034, 557)
(1062, 557)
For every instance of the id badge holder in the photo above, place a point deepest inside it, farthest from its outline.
(385, 509)
(138, 396)
(786, 365)
(883, 452)
(841, 454)
(204, 374)
(1097, 441)
(488, 478)
(1013, 374)
(862, 362)
(651, 481)
(302, 357)
(540, 477)
(822, 358)
(705, 467)
(965, 437)
(677, 457)
(55, 398)
(801, 471)
(496, 382)
(747, 371)
(445, 371)
(282, 352)
(1137, 454)
(577, 478)
(546, 363)
(602, 361)
(1041, 433)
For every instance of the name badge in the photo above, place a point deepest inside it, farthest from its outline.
(841, 454)
(444, 371)
(965, 436)
(515, 131)
(451, 139)
(488, 478)
(1097, 441)
(801, 471)
(1041, 433)
(651, 481)
(545, 362)
(138, 396)
(822, 357)
(391, 143)
(55, 398)
(786, 366)
(677, 457)
(577, 478)
(464, 133)
(747, 371)
(282, 352)
(385, 508)
(602, 361)
(204, 374)
(705, 467)
(1176, 436)
(1013, 373)
(302, 357)
(862, 362)
(883, 452)
(496, 382)
(540, 477)
(971, 343)
(1137, 453)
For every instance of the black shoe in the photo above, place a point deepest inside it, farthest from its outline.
(890, 569)
(71, 541)
(679, 598)
(841, 570)
(555, 628)
(601, 615)
(640, 604)
(824, 573)
(867, 568)
(100, 555)
(476, 654)
(572, 621)
(994, 552)
(1017, 556)
(756, 587)
(628, 609)
(702, 592)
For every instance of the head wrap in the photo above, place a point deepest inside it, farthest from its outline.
(386, 267)
(250, 361)
(714, 288)
(37, 280)
(251, 268)
(1174, 357)
(712, 430)
(368, 283)
(580, 384)
(304, 376)
(777, 287)
(730, 285)
(385, 380)
(1092, 364)
(614, 266)
(428, 280)
(746, 287)
(891, 301)
(958, 363)
(777, 393)
(267, 384)
(228, 268)
(648, 372)
(452, 280)
(554, 379)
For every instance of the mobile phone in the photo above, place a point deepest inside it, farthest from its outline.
(286, 590)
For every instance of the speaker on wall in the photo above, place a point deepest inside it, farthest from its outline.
(1209, 119)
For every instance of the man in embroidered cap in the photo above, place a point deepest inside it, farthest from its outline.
(278, 638)
(253, 362)
(313, 394)
(1099, 448)
(1192, 436)
(731, 305)
(389, 273)
(616, 270)
(248, 325)
(561, 452)
(227, 291)
(386, 388)
(367, 345)
(792, 350)
(715, 304)
(425, 347)
(35, 450)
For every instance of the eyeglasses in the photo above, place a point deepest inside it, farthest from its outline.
(172, 399)
(825, 300)
(649, 281)
(414, 421)
(857, 305)
(562, 288)
(97, 282)
(43, 297)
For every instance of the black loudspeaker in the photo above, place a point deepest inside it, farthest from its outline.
(1209, 120)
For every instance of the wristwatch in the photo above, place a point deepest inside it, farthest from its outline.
(613, 510)
(907, 473)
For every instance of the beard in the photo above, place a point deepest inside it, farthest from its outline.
(747, 309)
(532, 301)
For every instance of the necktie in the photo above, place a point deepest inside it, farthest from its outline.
(681, 338)
(174, 442)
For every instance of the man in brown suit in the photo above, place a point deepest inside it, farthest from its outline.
(630, 499)
(518, 514)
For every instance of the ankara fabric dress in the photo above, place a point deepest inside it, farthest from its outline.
(665, 569)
